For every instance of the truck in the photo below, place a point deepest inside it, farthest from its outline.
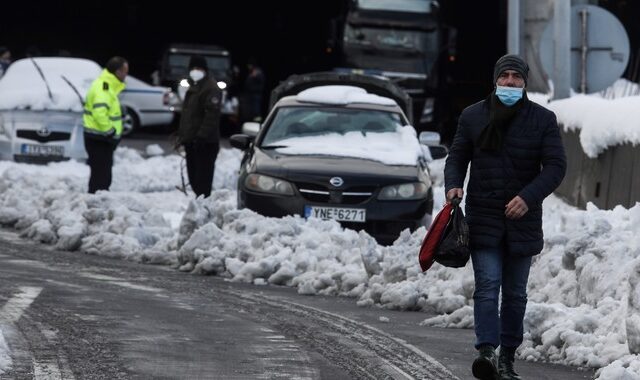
(173, 73)
(405, 41)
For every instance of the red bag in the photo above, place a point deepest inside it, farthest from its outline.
(434, 237)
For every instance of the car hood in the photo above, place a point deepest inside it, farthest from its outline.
(318, 169)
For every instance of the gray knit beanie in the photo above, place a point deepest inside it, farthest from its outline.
(511, 62)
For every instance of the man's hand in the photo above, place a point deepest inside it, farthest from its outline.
(455, 192)
(516, 208)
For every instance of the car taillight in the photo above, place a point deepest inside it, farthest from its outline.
(166, 98)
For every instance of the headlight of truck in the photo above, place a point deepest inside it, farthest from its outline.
(404, 192)
(266, 184)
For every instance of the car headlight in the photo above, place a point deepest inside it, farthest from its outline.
(266, 184)
(222, 85)
(404, 192)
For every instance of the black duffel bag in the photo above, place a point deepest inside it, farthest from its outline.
(453, 250)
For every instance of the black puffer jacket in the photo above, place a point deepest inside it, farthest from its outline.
(531, 164)
(200, 118)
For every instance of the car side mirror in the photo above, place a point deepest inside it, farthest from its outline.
(432, 140)
(438, 152)
(250, 128)
(429, 138)
(241, 141)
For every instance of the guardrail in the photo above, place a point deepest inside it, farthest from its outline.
(611, 179)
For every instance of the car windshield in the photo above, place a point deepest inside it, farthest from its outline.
(343, 132)
(291, 122)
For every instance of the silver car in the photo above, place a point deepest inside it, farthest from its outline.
(41, 105)
(146, 105)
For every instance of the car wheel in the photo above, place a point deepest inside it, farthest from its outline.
(130, 121)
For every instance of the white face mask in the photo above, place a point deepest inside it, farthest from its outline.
(196, 75)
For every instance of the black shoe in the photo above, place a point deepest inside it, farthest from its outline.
(505, 364)
(485, 367)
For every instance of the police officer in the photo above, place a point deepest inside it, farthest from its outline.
(103, 122)
(199, 130)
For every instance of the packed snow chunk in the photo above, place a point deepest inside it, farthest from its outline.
(400, 296)
(285, 273)
(204, 238)
(461, 318)
(257, 269)
(212, 263)
(111, 245)
(154, 150)
(625, 368)
(41, 231)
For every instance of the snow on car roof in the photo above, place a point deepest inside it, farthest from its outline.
(22, 87)
(342, 95)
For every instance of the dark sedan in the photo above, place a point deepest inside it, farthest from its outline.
(338, 152)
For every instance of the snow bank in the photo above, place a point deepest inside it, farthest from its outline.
(584, 299)
(603, 119)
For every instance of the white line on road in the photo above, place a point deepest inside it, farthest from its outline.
(13, 309)
(10, 314)
(119, 282)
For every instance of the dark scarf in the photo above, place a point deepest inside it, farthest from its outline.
(500, 117)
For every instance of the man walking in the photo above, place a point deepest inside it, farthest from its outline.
(517, 160)
(199, 130)
(103, 122)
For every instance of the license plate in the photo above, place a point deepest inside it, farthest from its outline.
(42, 150)
(336, 213)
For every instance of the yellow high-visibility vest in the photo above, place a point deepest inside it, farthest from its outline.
(102, 113)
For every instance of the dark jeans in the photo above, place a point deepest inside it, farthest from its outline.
(100, 161)
(494, 268)
(201, 163)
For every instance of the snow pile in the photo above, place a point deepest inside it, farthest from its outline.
(603, 119)
(342, 95)
(619, 89)
(137, 220)
(584, 299)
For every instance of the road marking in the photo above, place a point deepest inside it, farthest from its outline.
(54, 366)
(13, 309)
(119, 282)
(10, 314)
(5, 358)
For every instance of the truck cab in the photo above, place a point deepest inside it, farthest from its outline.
(402, 40)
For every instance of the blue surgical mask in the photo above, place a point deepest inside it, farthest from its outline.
(509, 95)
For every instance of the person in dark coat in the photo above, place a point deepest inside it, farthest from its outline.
(5, 60)
(199, 130)
(252, 92)
(517, 159)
